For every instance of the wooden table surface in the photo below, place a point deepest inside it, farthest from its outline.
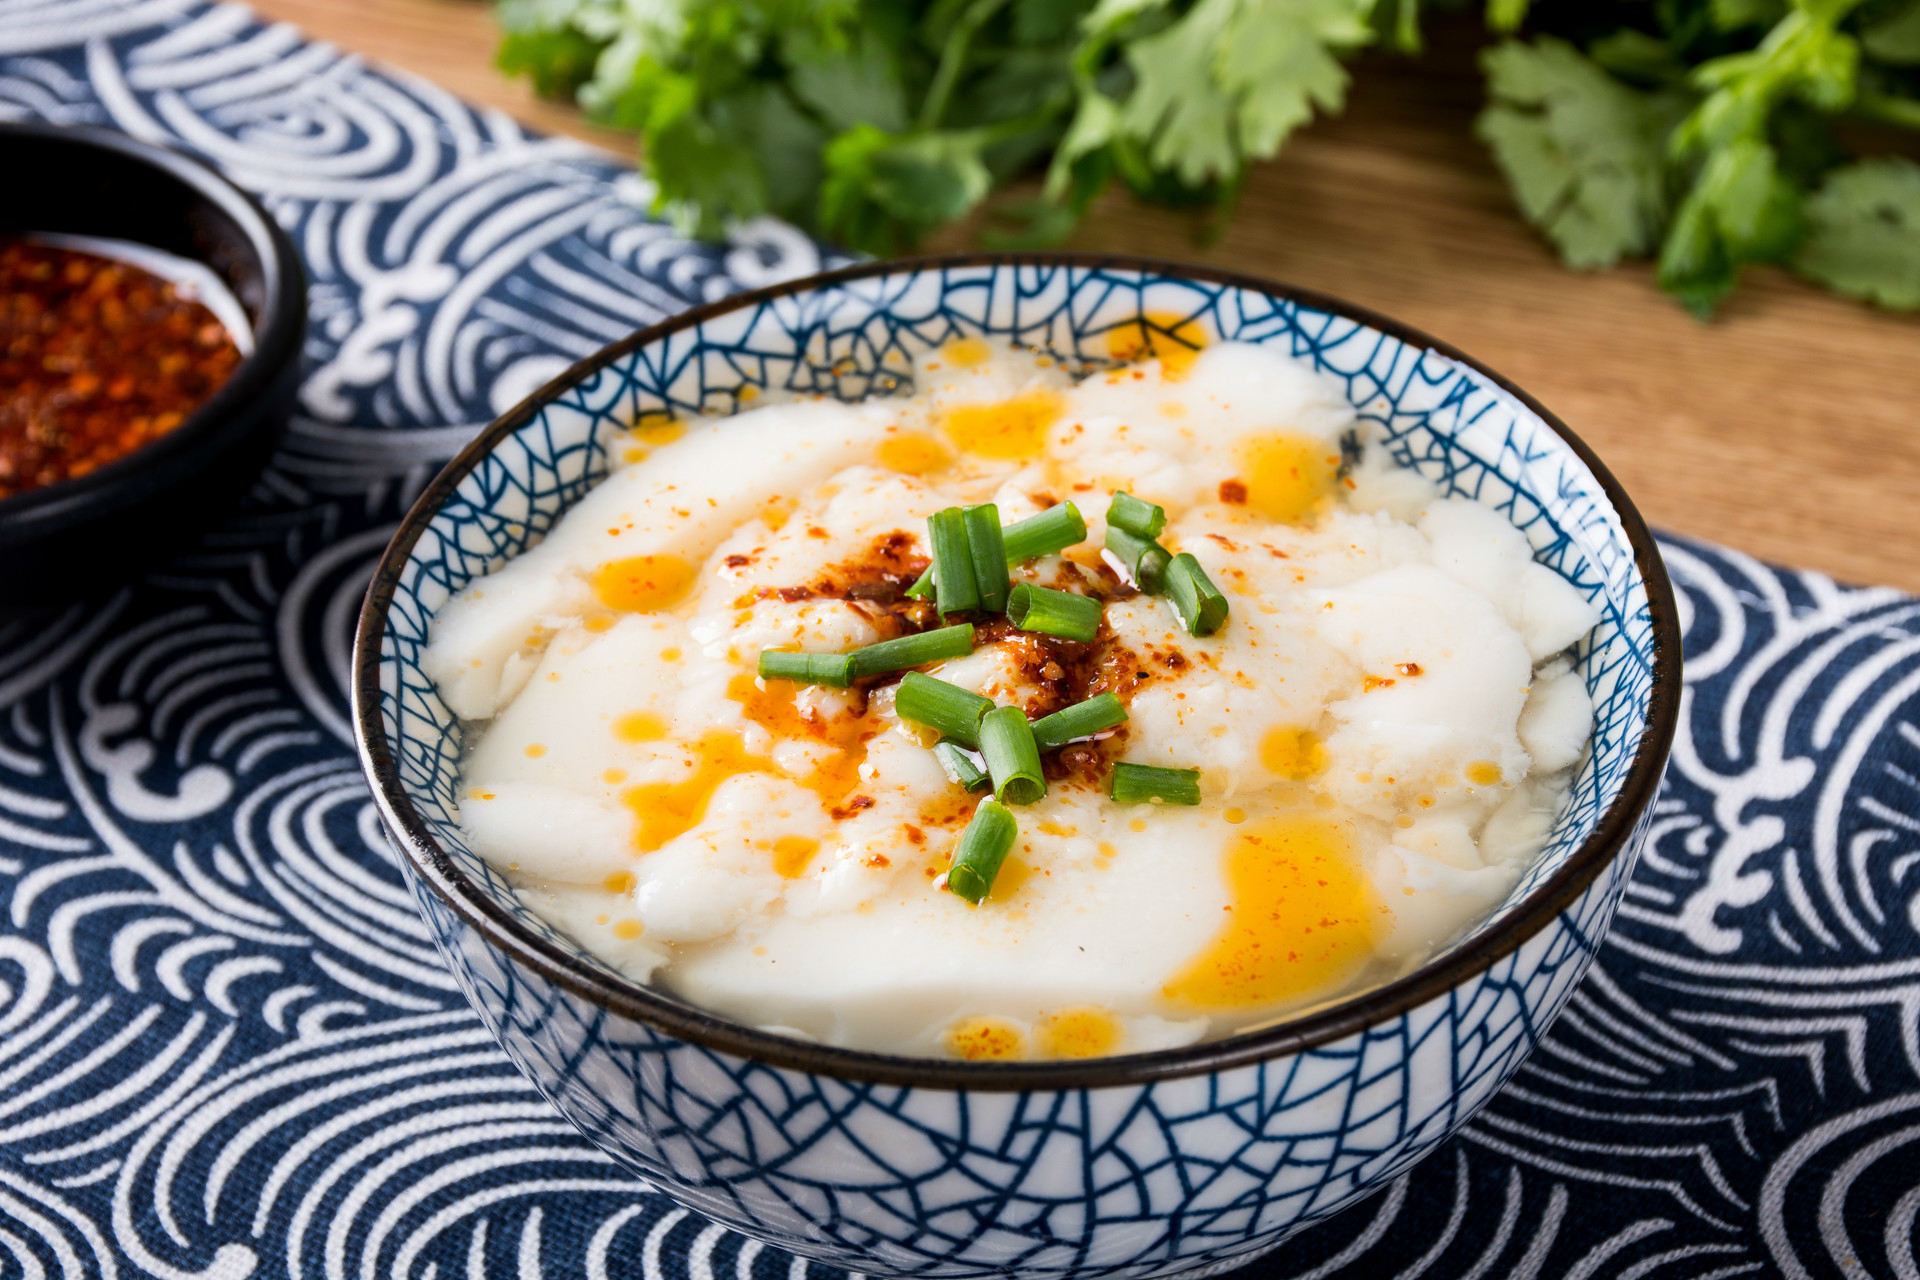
(1788, 427)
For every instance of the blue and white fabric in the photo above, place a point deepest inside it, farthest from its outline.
(229, 1048)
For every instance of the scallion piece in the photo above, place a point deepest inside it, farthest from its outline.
(835, 669)
(1055, 529)
(989, 556)
(960, 765)
(1139, 518)
(1013, 758)
(954, 711)
(1148, 784)
(1203, 610)
(914, 650)
(1081, 720)
(1056, 613)
(953, 585)
(983, 846)
(1145, 560)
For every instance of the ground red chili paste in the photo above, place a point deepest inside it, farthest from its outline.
(97, 358)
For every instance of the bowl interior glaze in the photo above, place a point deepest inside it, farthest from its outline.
(853, 333)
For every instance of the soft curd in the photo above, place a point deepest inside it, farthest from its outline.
(1385, 727)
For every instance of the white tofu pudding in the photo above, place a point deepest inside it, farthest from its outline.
(1123, 773)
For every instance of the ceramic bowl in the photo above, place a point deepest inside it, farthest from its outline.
(76, 535)
(1140, 1165)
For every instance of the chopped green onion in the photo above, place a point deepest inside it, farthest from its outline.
(1141, 519)
(1145, 560)
(983, 846)
(1202, 608)
(1013, 759)
(1081, 720)
(835, 669)
(954, 711)
(1055, 529)
(914, 650)
(954, 587)
(989, 556)
(1147, 784)
(961, 765)
(1057, 613)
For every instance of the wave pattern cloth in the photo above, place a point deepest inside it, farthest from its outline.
(227, 1046)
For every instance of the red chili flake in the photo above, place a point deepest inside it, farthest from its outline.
(854, 804)
(1409, 668)
(97, 358)
(1233, 492)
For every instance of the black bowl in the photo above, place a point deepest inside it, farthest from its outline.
(72, 536)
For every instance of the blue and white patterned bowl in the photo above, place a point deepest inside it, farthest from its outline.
(1144, 1165)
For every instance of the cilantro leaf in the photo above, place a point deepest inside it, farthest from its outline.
(847, 83)
(1227, 82)
(1583, 152)
(889, 189)
(1863, 233)
(539, 42)
(1740, 210)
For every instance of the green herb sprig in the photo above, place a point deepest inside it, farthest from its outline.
(1711, 134)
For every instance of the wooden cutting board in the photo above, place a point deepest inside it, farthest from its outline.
(1788, 427)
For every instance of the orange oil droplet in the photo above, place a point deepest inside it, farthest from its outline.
(620, 882)
(535, 750)
(1007, 430)
(1288, 478)
(1085, 1032)
(1293, 753)
(1303, 918)
(664, 810)
(1014, 873)
(1484, 773)
(642, 584)
(1174, 341)
(913, 454)
(791, 854)
(639, 726)
(629, 929)
(967, 353)
(986, 1040)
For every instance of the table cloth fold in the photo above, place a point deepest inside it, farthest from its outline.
(228, 1048)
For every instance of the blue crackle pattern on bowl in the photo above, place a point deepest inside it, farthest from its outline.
(1201, 1171)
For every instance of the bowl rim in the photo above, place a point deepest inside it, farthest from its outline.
(33, 514)
(688, 1023)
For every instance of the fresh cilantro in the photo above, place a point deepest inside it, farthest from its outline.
(1227, 82)
(1863, 233)
(1584, 153)
(1709, 134)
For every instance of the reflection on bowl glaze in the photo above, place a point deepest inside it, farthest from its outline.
(1143, 1165)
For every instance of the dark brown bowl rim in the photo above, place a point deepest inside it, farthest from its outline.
(630, 999)
(33, 514)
